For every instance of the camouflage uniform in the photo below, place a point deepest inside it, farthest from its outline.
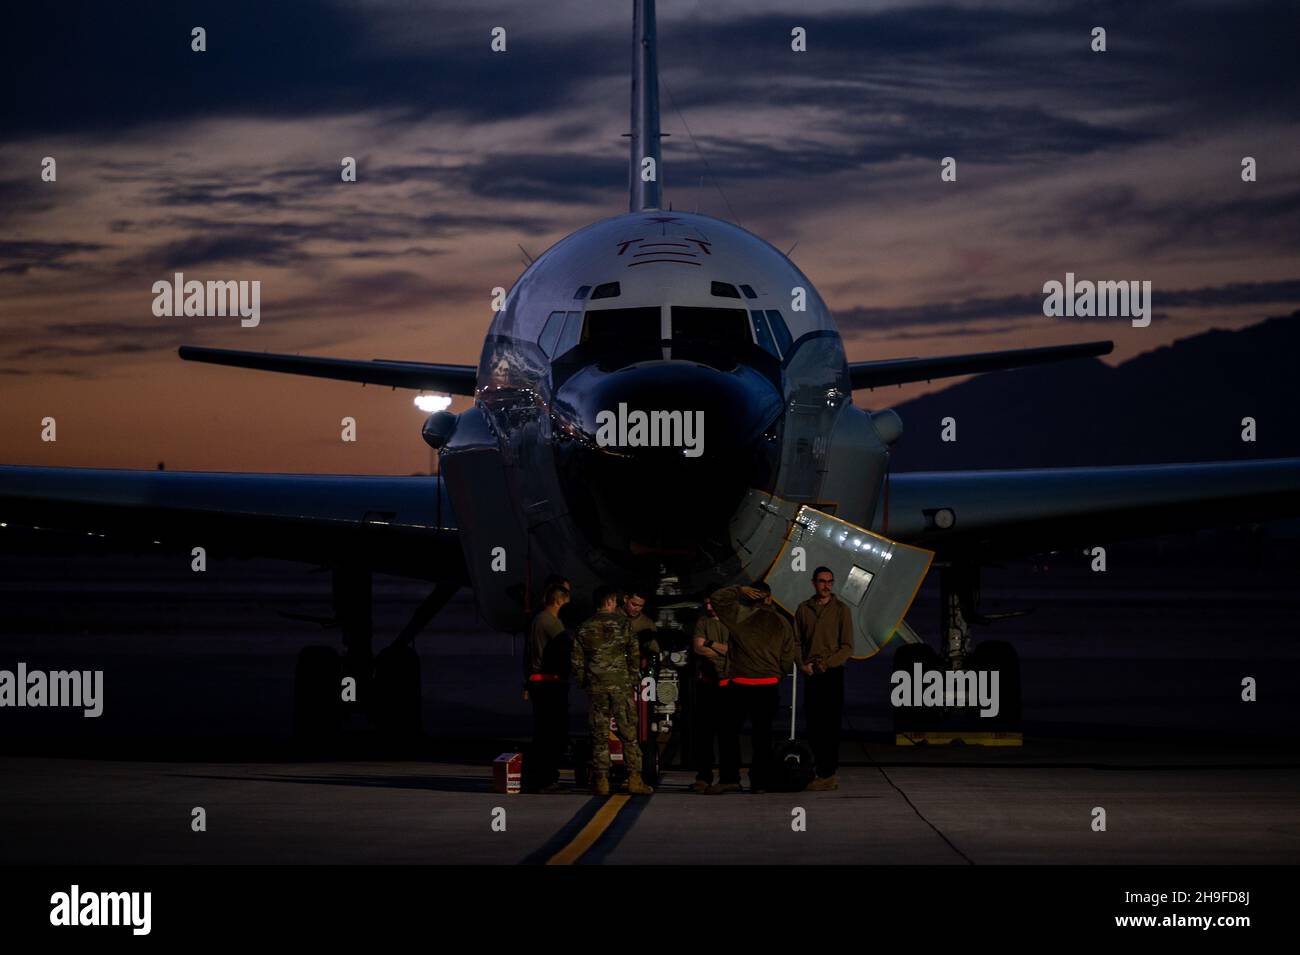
(607, 664)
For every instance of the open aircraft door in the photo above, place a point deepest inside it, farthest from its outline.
(878, 578)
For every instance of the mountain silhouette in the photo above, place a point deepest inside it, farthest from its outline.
(1181, 402)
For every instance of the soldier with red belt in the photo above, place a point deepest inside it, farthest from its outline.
(760, 652)
(546, 687)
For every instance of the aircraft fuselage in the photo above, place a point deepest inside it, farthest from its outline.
(659, 324)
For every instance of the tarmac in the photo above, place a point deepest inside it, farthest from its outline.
(1132, 686)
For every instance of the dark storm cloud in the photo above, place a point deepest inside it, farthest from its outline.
(1238, 214)
(233, 245)
(362, 299)
(21, 256)
(212, 193)
(1229, 57)
(540, 176)
(24, 196)
(93, 65)
(861, 318)
(358, 234)
(985, 84)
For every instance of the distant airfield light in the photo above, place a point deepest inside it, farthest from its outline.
(432, 403)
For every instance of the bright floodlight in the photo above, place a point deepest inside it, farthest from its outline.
(432, 403)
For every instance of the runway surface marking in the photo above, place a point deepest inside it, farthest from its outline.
(592, 831)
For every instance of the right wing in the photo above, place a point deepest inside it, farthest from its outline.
(897, 371)
(396, 525)
(449, 379)
(1017, 512)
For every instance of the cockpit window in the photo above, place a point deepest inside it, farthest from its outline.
(606, 290)
(623, 325)
(723, 290)
(749, 292)
(572, 330)
(582, 291)
(714, 326)
(763, 334)
(551, 333)
(782, 334)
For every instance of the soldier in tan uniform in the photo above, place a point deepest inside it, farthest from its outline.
(546, 687)
(710, 647)
(825, 629)
(760, 652)
(607, 664)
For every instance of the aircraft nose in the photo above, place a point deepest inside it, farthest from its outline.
(658, 455)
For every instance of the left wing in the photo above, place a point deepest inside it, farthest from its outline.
(396, 525)
(451, 379)
(1017, 512)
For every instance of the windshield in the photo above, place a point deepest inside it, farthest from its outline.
(727, 327)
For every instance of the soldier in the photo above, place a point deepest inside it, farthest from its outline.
(643, 628)
(566, 612)
(546, 686)
(710, 646)
(760, 652)
(607, 664)
(825, 631)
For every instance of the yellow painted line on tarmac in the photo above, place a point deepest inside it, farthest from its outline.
(592, 831)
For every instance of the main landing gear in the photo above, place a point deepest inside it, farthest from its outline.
(328, 686)
(949, 715)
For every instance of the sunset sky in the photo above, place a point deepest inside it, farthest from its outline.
(225, 165)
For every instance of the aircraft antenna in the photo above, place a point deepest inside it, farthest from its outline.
(699, 152)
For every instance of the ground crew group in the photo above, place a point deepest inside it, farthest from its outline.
(743, 647)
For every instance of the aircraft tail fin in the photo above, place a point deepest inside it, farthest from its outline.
(644, 180)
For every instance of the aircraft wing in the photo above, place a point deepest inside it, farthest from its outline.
(450, 379)
(396, 525)
(897, 371)
(1017, 512)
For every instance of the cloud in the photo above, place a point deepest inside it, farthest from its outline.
(862, 318)
(19, 257)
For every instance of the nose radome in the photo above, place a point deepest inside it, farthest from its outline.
(671, 409)
(659, 455)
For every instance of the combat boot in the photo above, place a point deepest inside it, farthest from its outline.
(823, 784)
(637, 786)
(600, 784)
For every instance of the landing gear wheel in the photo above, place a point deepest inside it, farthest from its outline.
(317, 694)
(915, 719)
(395, 692)
(1000, 656)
